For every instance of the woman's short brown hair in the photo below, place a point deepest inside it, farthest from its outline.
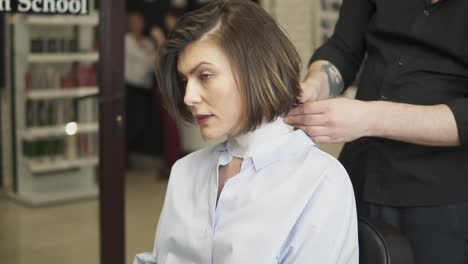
(265, 60)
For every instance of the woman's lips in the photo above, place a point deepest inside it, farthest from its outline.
(203, 119)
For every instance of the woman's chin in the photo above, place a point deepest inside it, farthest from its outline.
(211, 135)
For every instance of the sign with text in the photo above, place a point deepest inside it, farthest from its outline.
(45, 7)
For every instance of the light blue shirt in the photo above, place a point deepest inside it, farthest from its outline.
(290, 203)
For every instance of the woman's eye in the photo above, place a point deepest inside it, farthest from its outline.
(205, 76)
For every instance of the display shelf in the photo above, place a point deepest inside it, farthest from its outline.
(51, 131)
(63, 57)
(53, 74)
(43, 166)
(50, 198)
(74, 92)
(59, 20)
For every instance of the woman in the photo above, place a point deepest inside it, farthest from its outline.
(267, 194)
(139, 72)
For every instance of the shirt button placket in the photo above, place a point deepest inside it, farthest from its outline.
(400, 64)
(208, 234)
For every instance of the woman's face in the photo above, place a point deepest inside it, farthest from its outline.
(136, 24)
(211, 92)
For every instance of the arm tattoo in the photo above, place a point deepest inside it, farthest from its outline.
(335, 82)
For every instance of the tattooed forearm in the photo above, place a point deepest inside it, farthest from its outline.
(335, 81)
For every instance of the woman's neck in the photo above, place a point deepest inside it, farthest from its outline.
(261, 140)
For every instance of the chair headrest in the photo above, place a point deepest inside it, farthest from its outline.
(382, 244)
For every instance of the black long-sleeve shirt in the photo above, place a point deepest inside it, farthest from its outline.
(417, 53)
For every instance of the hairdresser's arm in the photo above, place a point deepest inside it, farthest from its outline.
(323, 80)
(334, 65)
(343, 120)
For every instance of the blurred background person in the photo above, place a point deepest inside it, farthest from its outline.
(171, 145)
(139, 78)
(153, 11)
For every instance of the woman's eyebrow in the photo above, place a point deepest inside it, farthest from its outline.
(194, 69)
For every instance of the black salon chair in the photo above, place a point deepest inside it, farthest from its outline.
(382, 244)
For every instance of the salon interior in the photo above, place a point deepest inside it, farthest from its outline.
(86, 145)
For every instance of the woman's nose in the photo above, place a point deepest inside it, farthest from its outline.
(192, 94)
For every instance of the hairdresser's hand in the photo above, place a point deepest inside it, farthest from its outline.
(313, 88)
(333, 120)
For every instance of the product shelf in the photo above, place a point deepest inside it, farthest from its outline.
(51, 131)
(54, 197)
(63, 57)
(43, 166)
(55, 138)
(62, 93)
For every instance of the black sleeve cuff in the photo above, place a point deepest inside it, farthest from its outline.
(459, 109)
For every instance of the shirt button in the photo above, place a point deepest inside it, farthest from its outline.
(426, 12)
(383, 97)
(400, 63)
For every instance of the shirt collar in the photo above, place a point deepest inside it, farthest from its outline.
(259, 141)
(264, 144)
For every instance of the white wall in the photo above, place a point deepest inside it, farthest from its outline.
(299, 19)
